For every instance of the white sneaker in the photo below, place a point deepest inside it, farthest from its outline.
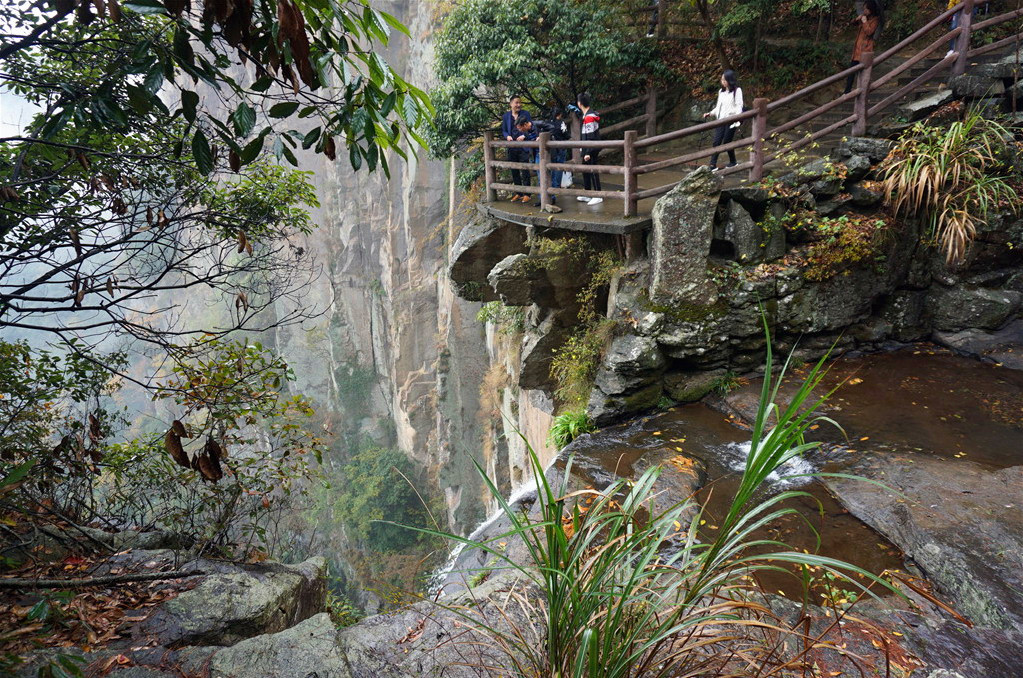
(594, 201)
(949, 53)
(582, 198)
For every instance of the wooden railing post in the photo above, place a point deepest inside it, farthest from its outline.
(488, 163)
(577, 134)
(545, 174)
(963, 41)
(756, 172)
(651, 112)
(860, 104)
(629, 164)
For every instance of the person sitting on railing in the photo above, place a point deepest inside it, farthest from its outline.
(509, 133)
(870, 23)
(590, 132)
(558, 128)
(729, 103)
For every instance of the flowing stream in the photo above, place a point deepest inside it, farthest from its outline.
(920, 399)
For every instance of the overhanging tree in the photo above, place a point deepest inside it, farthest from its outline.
(545, 50)
(144, 208)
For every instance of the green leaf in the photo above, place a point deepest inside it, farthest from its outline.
(154, 79)
(189, 102)
(253, 148)
(202, 152)
(284, 109)
(355, 156)
(311, 138)
(243, 119)
(16, 475)
(394, 23)
(139, 98)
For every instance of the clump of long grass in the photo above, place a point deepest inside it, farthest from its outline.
(953, 176)
(625, 590)
(568, 426)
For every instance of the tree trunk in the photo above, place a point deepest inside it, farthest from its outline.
(719, 46)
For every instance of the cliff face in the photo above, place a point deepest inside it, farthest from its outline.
(396, 357)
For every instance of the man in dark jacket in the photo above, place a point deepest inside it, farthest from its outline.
(509, 133)
(532, 129)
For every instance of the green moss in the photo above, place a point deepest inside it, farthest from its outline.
(685, 311)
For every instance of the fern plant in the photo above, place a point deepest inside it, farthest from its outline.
(952, 176)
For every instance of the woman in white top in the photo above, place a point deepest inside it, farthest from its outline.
(729, 104)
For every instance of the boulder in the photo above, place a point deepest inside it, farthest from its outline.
(688, 387)
(875, 150)
(904, 311)
(970, 86)
(961, 522)
(744, 235)
(753, 198)
(921, 108)
(1004, 346)
(1016, 91)
(960, 307)
(538, 352)
(812, 171)
(226, 608)
(605, 408)
(866, 194)
(683, 226)
(774, 245)
(990, 107)
(834, 205)
(857, 167)
(514, 282)
(1008, 67)
(631, 361)
(480, 245)
(309, 648)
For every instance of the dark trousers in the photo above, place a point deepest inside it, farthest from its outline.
(723, 135)
(591, 180)
(851, 78)
(519, 177)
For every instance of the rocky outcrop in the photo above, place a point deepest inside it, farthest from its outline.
(962, 523)
(711, 323)
(230, 606)
(680, 239)
(481, 244)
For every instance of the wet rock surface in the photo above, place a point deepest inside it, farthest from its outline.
(960, 522)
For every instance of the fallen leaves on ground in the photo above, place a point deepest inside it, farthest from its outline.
(86, 617)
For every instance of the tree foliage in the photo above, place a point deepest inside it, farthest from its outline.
(379, 490)
(545, 50)
(148, 207)
(294, 72)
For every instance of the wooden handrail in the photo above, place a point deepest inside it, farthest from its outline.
(630, 168)
(695, 129)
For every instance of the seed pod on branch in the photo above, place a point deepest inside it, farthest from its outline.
(179, 429)
(242, 241)
(172, 443)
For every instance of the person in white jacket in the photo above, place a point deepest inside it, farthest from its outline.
(729, 103)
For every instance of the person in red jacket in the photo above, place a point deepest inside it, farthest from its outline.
(590, 132)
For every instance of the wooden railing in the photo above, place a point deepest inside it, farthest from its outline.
(760, 113)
